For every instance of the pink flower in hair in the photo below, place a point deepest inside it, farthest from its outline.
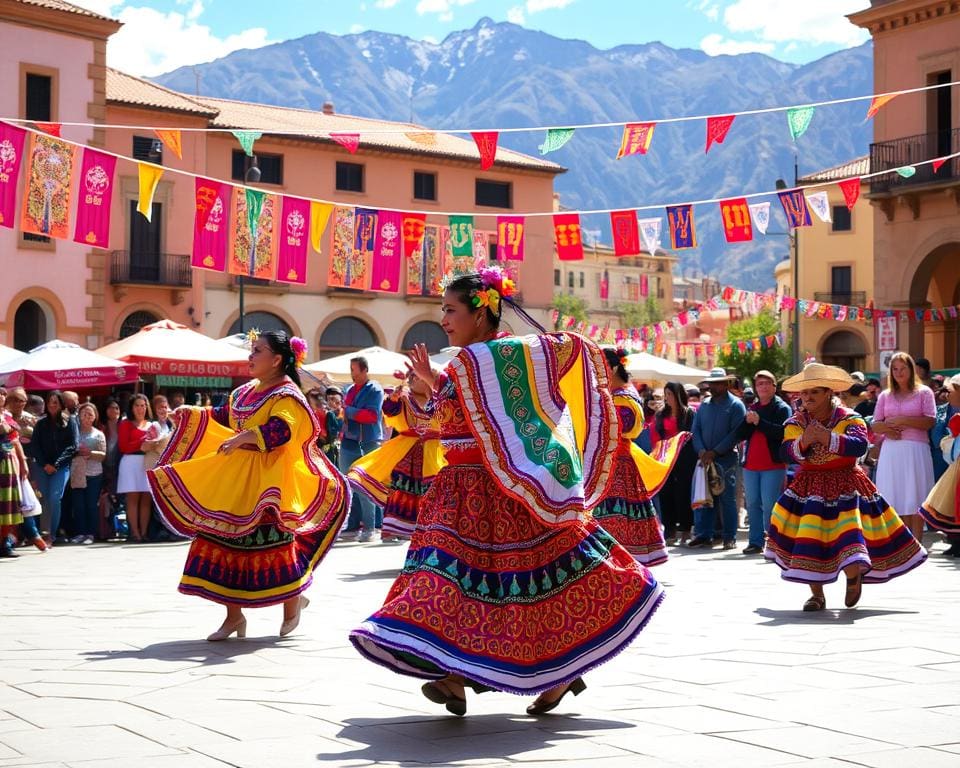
(299, 348)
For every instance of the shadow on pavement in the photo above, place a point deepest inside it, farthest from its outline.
(445, 740)
(389, 573)
(829, 616)
(199, 651)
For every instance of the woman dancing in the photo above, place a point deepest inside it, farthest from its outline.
(249, 482)
(508, 583)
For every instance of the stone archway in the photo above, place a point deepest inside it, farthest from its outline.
(936, 283)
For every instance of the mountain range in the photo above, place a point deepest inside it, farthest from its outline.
(504, 75)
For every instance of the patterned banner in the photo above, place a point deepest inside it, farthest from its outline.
(717, 129)
(566, 230)
(481, 248)
(210, 224)
(343, 264)
(425, 266)
(293, 238)
(636, 139)
(149, 177)
(387, 253)
(12, 140)
(349, 141)
(461, 235)
(650, 231)
(46, 200)
(253, 246)
(820, 204)
(798, 120)
(760, 213)
(172, 140)
(877, 102)
(683, 231)
(486, 142)
(413, 230)
(556, 138)
(605, 286)
(795, 208)
(851, 191)
(510, 238)
(626, 233)
(247, 139)
(644, 286)
(364, 242)
(92, 226)
(319, 216)
(735, 215)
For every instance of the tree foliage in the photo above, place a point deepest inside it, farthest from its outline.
(571, 306)
(775, 359)
(640, 314)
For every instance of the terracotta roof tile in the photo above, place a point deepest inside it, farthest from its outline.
(61, 5)
(127, 89)
(857, 167)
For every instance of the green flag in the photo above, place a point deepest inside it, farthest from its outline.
(255, 200)
(556, 138)
(461, 235)
(799, 119)
(907, 171)
(246, 139)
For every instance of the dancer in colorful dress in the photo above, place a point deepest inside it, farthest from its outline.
(941, 509)
(249, 482)
(831, 518)
(13, 472)
(627, 512)
(398, 474)
(509, 584)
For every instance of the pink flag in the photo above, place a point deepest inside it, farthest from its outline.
(210, 225)
(510, 238)
(294, 236)
(486, 142)
(11, 152)
(93, 198)
(717, 128)
(349, 141)
(387, 253)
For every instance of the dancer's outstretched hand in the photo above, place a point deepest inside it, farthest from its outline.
(420, 364)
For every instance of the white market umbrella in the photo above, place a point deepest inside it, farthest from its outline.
(382, 365)
(237, 341)
(62, 365)
(656, 371)
(9, 354)
(444, 356)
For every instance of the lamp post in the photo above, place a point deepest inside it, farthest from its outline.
(252, 176)
(795, 330)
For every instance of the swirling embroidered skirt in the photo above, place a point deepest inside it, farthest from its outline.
(10, 512)
(490, 592)
(827, 520)
(939, 509)
(407, 487)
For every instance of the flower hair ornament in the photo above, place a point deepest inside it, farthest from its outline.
(622, 357)
(299, 348)
(253, 334)
(496, 285)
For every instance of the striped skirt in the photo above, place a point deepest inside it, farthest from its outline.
(10, 512)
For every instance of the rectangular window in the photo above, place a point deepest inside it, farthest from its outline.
(271, 167)
(148, 149)
(424, 186)
(841, 280)
(556, 278)
(842, 220)
(581, 280)
(39, 98)
(349, 177)
(570, 279)
(494, 194)
(145, 244)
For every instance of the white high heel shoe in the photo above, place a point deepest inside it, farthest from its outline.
(240, 627)
(291, 624)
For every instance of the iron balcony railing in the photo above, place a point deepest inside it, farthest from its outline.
(137, 268)
(850, 298)
(906, 151)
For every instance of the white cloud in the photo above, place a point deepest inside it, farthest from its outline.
(716, 45)
(355, 28)
(385, 3)
(152, 42)
(443, 8)
(811, 22)
(515, 15)
(535, 6)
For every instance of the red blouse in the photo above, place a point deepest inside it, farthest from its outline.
(130, 437)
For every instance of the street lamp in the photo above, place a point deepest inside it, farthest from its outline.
(795, 332)
(252, 176)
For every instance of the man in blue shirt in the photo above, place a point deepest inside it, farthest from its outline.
(715, 434)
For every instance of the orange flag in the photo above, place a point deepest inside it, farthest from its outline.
(878, 102)
(171, 140)
(636, 139)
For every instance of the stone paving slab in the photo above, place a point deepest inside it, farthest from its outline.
(103, 665)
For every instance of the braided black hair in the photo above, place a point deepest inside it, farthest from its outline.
(613, 361)
(279, 343)
(464, 288)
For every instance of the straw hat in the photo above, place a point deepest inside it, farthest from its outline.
(819, 375)
(717, 375)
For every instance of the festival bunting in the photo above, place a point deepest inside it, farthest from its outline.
(481, 249)
(349, 141)
(247, 139)
(820, 204)
(423, 138)
(149, 177)
(365, 240)
(92, 226)
(907, 171)
(12, 140)
(605, 286)
(413, 229)
(210, 224)
(851, 191)
(46, 199)
(938, 163)
(636, 139)
(387, 253)
(319, 216)
(486, 142)
(877, 103)
(760, 215)
(171, 140)
(626, 233)
(253, 246)
(644, 286)
(717, 129)
(735, 215)
(343, 266)
(798, 119)
(555, 139)
(650, 231)
(510, 238)
(683, 232)
(461, 236)
(293, 238)
(566, 230)
(795, 208)
(51, 129)
(425, 267)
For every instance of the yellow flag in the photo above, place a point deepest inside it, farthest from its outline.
(319, 216)
(149, 178)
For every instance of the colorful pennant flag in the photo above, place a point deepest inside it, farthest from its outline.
(253, 247)
(626, 233)
(851, 191)
(566, 230)
(413, 230)
(349, 141)
(461, 236)
(365, 240)
(556, 138)
(486, 142)
(387, 253)
(717, 129)
(52, 129)
(760, 214)
(605, 285)
(423, 138)
(510, 231)
(795, 208)
(938, 163)
(644, 286)
(171, 140)
(820, 204)
(683, 232)
(636, 139)
(798, 119)
(343, 268)
(319, 216)
(12, 140)
(907, 171)
(294, 235)
(210, 224)
(425, 267)
(247, 139)
(735, 215)
(149, 177)
(46, 199)
(877, 102)
(650, 231)
(92, 226)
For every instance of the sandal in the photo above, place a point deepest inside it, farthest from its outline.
(815, 603)
(440, 695)
(854, 588)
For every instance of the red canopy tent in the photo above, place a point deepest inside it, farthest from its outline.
(62, 365)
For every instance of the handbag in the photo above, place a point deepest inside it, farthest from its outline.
(78, 472)
(715, 482)
(699, 492)
(29, 503)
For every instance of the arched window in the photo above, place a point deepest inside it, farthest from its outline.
(262, 321)
(844, 349)
(346, 334)
(135, 321)
(425, 332)
(29, 326)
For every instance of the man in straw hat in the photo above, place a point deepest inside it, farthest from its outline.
(715, 430)
(831, 518)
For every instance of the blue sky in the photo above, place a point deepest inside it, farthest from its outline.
(160, 35)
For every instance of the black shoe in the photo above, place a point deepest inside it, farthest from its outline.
(753, 549)
(576, 688)
(8, 552)
(952, 551)
(730, 544)
(699, 542)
